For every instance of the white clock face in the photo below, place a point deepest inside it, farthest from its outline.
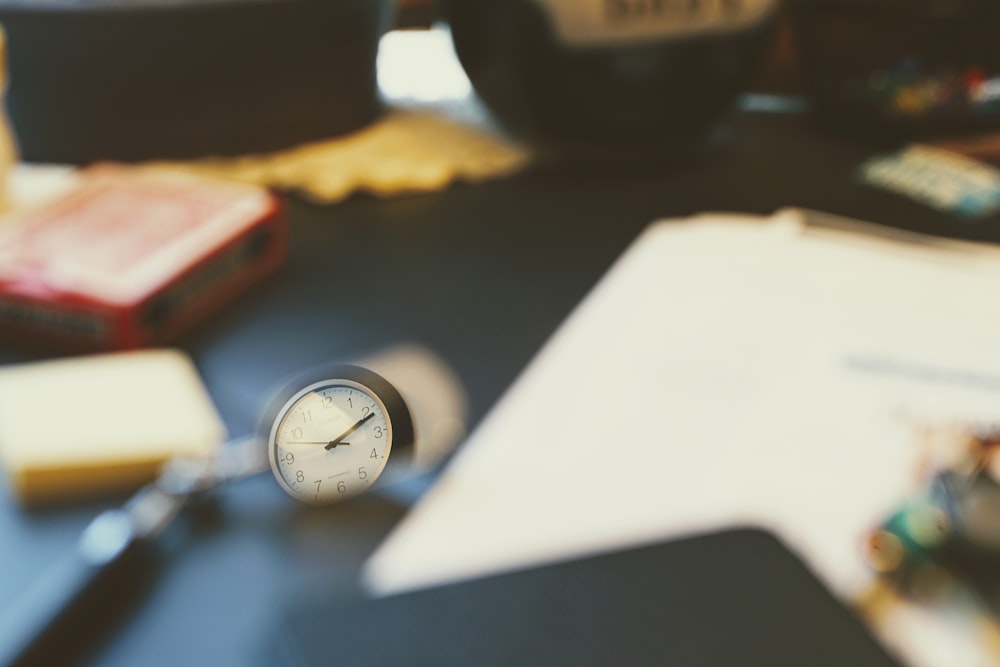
(330, 441)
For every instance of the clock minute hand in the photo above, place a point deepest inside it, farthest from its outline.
(337, 441)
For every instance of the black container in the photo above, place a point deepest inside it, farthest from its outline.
(114, 79)
(901, 68)
(646, 95)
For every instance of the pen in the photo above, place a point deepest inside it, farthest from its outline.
(47, 623)
(52, 619)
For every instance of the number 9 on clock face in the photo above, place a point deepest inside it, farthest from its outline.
(330, 441)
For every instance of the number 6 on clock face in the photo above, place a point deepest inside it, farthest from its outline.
(332, 439)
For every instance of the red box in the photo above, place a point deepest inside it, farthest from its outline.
(133, 257)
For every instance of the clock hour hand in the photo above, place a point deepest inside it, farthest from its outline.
(339, 439)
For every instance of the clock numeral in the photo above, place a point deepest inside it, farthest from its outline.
(289, 458)
(378, 431)
(362, 473)
(318, 482)
(350, 402)
(374, 454)
(307, 416)
(300, 476)
(365, 410)
(341, 487)
(296, 433)
(327, 401)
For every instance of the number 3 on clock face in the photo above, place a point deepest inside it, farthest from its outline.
(332, 439)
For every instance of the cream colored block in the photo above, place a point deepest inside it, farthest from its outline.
(85, 426)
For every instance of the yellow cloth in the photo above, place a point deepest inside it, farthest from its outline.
(407, 151)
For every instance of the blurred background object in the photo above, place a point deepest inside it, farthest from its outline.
(433, 133)
(109, 79)
(625, 77)
(417, 13)
(901, 68)
(132, 257)
(8, 147)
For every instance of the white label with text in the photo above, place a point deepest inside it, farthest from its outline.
(609, 22)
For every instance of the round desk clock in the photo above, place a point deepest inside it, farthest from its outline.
(334, 431)
(333, 438)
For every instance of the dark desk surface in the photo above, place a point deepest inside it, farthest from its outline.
(483, 275)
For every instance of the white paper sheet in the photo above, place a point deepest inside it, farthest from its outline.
(726, 371)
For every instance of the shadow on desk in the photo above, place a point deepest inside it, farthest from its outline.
(732, 598)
